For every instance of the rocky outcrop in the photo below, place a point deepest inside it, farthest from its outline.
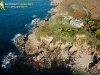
(93, 6)
(77, 8)
(56, 2)
(44, 51)
(68, 7)
(95, 70)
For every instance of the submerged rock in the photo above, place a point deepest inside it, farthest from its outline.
(7, 59)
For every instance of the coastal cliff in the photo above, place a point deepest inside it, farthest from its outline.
(50, 46)
(43, 52)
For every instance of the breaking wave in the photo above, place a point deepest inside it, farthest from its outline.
(7, 59)
(17, 35)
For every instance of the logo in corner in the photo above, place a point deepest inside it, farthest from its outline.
(2, 5)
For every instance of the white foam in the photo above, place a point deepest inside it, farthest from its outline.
(34, 16)
(68, 65)
(6, 61)
(16, 36)
(35, 21)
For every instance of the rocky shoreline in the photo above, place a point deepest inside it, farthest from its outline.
(46, 53)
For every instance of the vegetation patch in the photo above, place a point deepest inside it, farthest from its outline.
(60, 29)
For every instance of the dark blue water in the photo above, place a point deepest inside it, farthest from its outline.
(13, 20)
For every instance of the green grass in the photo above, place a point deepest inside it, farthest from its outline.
(77, 72)
(57, 28)
(60, 29)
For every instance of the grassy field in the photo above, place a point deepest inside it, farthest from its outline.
(60, 29)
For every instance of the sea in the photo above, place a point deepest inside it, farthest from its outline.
(15, 21)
